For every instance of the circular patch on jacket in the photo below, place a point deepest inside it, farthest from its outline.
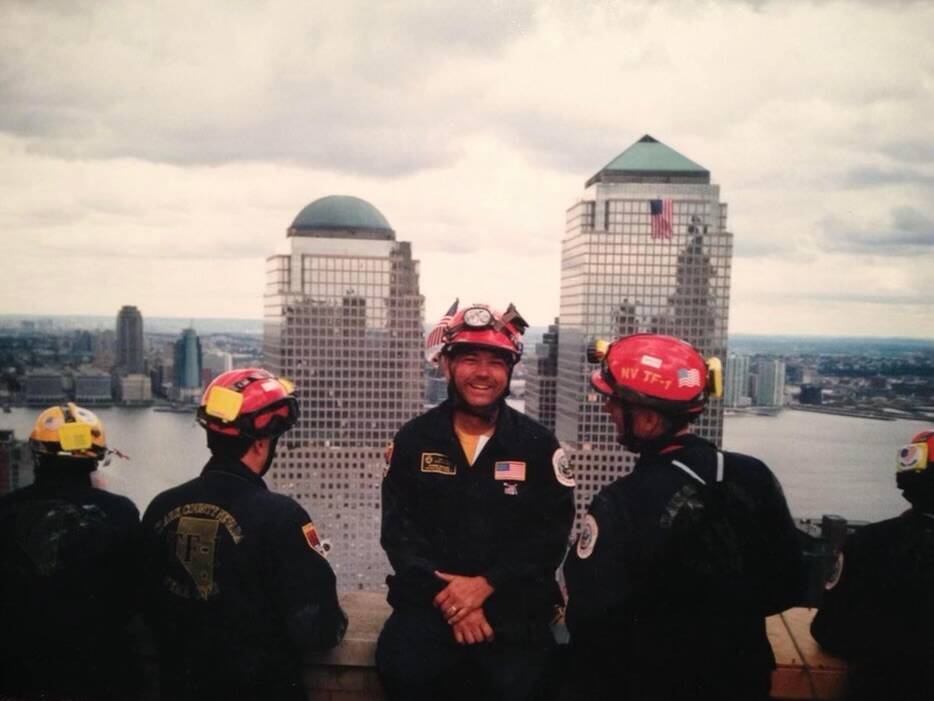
(562, 466)
(835, 573)
(588, 537)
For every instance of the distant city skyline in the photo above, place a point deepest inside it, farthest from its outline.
(163, 186)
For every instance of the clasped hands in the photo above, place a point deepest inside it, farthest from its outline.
(461, 604)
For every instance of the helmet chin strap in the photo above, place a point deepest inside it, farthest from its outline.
(270, 457)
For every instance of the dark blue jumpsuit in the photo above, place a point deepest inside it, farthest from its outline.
(880, 614)
(69, 558)
(235, 588)
(674, 574)
(441, 513)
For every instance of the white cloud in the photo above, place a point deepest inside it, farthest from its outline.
(167, 147)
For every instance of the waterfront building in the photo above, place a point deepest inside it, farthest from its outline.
(770, 382)
(130, 350)
(44, 388)
(542, 379)
(93, 387)
(188, 364)
(343, 320)
(136, 390)
(646, 249)
(15, 462)
(736, 381)
(104, 350)
(215, 363)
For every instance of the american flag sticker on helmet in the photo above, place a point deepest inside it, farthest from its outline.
(688, 378)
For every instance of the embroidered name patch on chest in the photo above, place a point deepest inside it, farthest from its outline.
(438, 463)
(510, 470)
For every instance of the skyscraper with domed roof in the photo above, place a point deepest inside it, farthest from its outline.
(343, 320)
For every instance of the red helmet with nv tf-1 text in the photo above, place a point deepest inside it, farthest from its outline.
(655, 371)
(251, 402)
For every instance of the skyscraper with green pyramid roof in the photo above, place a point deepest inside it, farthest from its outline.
(646, 249)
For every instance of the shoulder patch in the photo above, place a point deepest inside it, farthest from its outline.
(314, 541)
(387, 455)
(438, 463)
(562, 467)
(836, 573)
(588, 537)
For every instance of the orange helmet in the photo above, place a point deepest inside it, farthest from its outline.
(68, 431)
(654, 371)
(252, 402)
(481, 325)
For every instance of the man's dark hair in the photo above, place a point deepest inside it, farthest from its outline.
(229, 447)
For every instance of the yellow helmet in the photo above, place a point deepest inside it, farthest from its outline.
(68, 431)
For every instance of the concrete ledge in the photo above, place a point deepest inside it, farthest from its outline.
(347, 673)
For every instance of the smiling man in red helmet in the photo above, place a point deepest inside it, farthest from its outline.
(678, 563)
(477, 508)
(238, 586)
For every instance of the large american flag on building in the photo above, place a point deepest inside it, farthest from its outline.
(662, 218)
(434, 342)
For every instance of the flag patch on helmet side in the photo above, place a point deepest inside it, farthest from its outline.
(562, 467)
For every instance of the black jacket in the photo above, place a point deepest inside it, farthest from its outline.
(673, 578)
(235, 589)
(441, 513)
(880, 614)
(68, 585)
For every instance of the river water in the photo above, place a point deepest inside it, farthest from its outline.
(826, 464)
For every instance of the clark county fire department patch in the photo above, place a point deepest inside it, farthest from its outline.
(438, 463)
(314, 542)
(588, 537)
(562, 468)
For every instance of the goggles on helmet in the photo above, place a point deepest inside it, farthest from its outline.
(477, 318)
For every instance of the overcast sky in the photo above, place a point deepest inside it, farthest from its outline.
(155, 153)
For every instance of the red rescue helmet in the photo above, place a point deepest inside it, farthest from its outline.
(654, 371)
(482, 326)
(251, 402)
(918, 455)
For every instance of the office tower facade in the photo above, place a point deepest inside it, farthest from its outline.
(187, 367)
(130, 351)
(770, 382)
(343, 320)
(93, 387)
(542, 380)
(736, 381)
(646, 249)
(44, 388)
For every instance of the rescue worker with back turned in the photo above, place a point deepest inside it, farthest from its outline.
(879, 611)
(238, 586)
(678, 563)
(477, 508)
(68, 555)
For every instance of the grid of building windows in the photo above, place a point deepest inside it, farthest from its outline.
(617, 279)
(343, 320)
